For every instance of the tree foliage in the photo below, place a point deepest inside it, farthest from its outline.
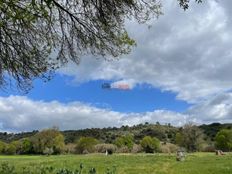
(2, 147)
(86, 145)
(190, 137)
(125, 141)
(185, 3)
(46, 139)
(38, 36)
(224, 140)
(150, 145)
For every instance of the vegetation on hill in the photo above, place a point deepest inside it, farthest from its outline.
(124, 139)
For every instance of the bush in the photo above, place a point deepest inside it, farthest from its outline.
(123, 149)
(208, 148)
(70, 148)
(126, 140)
(102, 148)
(2, 147)
(86, 145)
(48, 138)
(48, 151)
(27, 146)
(10, 149)
(150, 145)
(168, 148)
(137, 148)
(224, 140)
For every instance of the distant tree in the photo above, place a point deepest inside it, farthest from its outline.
(224, 140)
(126, 140)
(2, 147)
(18, 146)
(48, 139)
(38, 36)
(150, 145)
(191, 137)
(86, 145)
(179, 139)
(155, 131)
(10, 149)
(27, 146)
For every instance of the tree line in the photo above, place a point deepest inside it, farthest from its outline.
(151, 138)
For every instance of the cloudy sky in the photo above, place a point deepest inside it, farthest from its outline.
(180, 71)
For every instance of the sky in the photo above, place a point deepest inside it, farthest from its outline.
(179, 72)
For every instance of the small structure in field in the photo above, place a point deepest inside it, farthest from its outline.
(180, 155)
(219, 152)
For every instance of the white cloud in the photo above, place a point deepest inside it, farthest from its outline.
(215, 109)
(18, 113)
(24, 114)
(188, 53)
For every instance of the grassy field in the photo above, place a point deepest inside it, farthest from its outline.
(198, 163)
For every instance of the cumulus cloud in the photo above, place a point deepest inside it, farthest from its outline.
(188, 53)
(215, 109)
(19, 113)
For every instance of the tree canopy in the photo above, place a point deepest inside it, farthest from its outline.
(150, 145)
(38, 36)
(224, 140)
(190, 137)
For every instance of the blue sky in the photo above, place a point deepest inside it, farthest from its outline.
(142, 98)
(179, 72)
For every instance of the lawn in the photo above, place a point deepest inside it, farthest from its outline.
(198, 163)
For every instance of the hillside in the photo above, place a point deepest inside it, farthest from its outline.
(165, 133)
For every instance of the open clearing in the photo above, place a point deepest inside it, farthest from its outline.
(197, 163)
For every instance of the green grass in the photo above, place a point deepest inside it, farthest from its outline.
(198, 163)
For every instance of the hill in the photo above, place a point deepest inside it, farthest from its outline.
(165, 133)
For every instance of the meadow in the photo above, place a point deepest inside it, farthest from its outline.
(197, 163)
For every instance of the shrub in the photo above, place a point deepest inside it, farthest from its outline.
(126, 140)
(27, 146)
(2, 147)
(86, 144)
(123, 149)
(137, 148)
(168, 148)
(70, 148)
(102, 148)
(150, 145)
(10, 149)
(208, 148)
(224, 140)
(48, 151)
(48, 138)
